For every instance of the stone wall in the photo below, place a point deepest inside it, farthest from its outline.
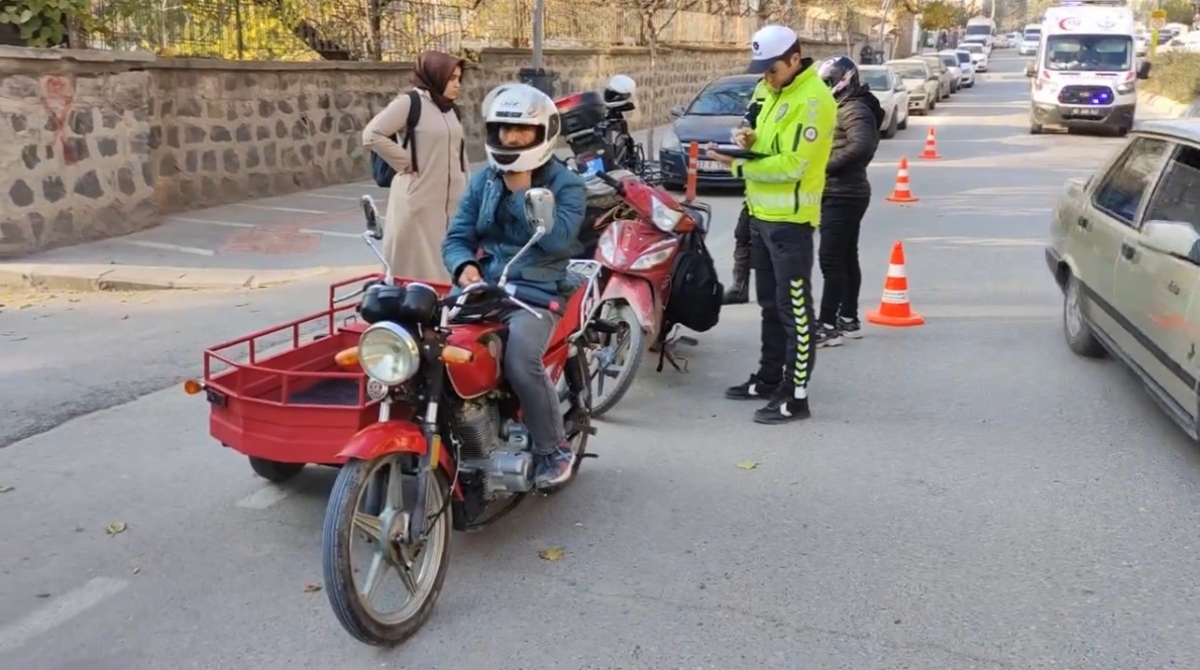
(97, 144)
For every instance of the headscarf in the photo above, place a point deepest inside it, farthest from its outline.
(432, 73)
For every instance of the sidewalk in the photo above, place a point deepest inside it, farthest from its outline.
(245, 245)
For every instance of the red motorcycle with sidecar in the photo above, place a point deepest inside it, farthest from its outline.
(404, 393)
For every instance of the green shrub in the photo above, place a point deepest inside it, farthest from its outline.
(1175, 75)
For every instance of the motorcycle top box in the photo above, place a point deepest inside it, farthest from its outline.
(581, 112)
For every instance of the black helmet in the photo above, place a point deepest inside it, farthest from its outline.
(840, 74)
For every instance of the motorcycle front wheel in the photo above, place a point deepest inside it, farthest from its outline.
(368, 509)
(615, 362)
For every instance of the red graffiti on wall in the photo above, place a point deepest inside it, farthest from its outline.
(58, 99)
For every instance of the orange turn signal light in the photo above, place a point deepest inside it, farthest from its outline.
(453, 355)
(192, 387)
(347, 357)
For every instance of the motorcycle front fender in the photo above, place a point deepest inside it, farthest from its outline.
(638, 293)
(396, 437)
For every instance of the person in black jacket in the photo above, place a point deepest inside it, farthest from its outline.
(738, 292)
(845, 200)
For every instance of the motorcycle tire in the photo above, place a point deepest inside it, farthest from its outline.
(577, 382)
(620, 313)
(338, 574)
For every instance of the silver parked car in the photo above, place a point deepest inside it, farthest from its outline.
(1125, 249)
(889, 89)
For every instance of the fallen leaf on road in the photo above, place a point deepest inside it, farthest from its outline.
(552, 554)
(747, 465)
(115, 528)
(43, 595)
(136, 570)
(6, 489)
(312, 588)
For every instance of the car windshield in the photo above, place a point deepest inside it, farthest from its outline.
(974, 48)
(909, 70)
(876, 79)
(950, 61)
(963, 56)
(1032, 35)
(979, 30)
(722, 98)
(1090, 53)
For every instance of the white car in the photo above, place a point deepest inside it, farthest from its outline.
(1029, 45)
(955, 68)
(1185, 42)
(964, 64)
(1141, 44)
(981, 40)
(888, 88)
(979, 57)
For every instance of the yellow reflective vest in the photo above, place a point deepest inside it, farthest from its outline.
(794, 130)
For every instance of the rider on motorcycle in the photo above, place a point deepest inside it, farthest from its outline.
(522, 129)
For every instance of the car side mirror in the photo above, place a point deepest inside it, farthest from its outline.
(900, 88)
(676, 112)
(1030, 70)
(1143, 70)
(1173, 238)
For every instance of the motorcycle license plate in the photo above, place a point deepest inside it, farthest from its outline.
(710, 166)
(595, 165)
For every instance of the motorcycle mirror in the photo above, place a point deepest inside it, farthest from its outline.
(371, 213)
(539, 208)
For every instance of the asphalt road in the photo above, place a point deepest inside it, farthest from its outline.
(969, 494)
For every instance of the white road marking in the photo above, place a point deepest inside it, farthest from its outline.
(197, 251)
(58, 611)
(330, 233)
(227, 224)
(282, 209)
(330, 197)
(265, 497)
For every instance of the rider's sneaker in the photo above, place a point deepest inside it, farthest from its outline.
(554, 468)
(828, 336)
(850, 328)
(751, 389)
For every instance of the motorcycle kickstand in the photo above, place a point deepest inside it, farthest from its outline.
(669, 344)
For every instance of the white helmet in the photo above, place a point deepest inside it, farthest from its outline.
(619, 90)
(520, 105)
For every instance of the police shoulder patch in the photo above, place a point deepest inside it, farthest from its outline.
(810, 134)
(783, 109)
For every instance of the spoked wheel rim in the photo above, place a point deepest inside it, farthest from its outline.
(1073, 310)
(415, 567)
(608, 361)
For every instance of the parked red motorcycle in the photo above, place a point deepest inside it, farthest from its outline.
(450, 448)
(637, 251)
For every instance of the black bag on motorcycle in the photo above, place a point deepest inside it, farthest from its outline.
(696, 290)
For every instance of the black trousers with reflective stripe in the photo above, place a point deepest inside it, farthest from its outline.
(781, 254)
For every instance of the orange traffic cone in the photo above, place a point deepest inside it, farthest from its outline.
(902, 192)
(930, 152)
(894, 309)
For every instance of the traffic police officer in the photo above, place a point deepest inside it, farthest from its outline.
(794, 132)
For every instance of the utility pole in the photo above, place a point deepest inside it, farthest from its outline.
(536, 75)
(539, 13)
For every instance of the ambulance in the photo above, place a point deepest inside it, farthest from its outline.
(1085, 72)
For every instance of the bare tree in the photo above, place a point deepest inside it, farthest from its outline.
(653, 18)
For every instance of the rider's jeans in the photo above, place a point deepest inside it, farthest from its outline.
(528, 337)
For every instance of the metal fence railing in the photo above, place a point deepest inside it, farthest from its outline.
(399, 29)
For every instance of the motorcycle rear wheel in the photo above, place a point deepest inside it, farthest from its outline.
(346, 522)
(629, 338)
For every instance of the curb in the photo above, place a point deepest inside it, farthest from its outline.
(1162, 104)
(88, 278)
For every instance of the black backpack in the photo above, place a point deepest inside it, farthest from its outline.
(382, 172)
(696, 291)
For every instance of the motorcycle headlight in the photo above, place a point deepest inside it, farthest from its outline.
(389, 354)
(607, 244)
(670, 142)
(664, 217)
(649, 260)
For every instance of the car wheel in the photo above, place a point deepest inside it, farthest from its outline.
(1080, 338)
(890, 132)
(1035, 128)
(903, 124)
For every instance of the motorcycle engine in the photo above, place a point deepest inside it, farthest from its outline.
(499, 450)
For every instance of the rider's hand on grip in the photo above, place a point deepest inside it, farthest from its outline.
(469, 275)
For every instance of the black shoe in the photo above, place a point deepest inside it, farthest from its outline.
(783, 409)
(738, 294)
(552, 469)
(828, 336)
(752, 389)
(850, 328)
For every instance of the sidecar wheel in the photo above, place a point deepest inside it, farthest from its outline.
(274, 471)
(348, 524)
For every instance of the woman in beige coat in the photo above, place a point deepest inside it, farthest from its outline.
(421, 202)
